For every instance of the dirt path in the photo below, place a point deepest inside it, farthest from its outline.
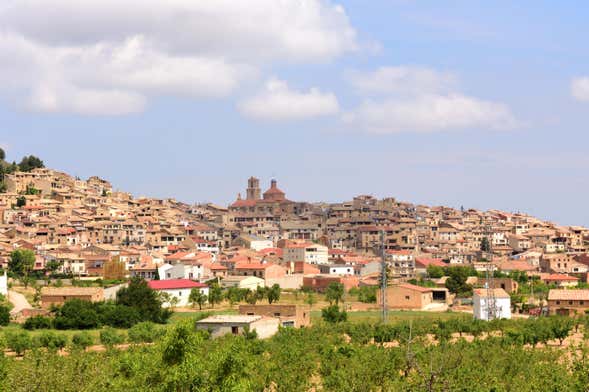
(19, 301)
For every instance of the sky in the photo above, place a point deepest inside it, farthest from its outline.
(460, 103)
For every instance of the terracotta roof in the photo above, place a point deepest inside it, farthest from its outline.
(252, 266)
(498, 293)
(174, 284)
(567, 295)
(425, 262)
(558, 277)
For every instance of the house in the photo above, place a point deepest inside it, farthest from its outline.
(337, 269)
(560, 280)
(221, 325)
(253, 242)
(406, 296)
(289, 315)
(243, 282)
(308, 252)
(568, 302)
(484, 300)
(507, 284)
(421, 264)
(4, 284)
(321, 282)
(178, 288)
(263, 271)
(58, 295)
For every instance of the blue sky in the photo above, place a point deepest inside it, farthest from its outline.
(467, 103)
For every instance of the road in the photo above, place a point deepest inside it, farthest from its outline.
(19, 301)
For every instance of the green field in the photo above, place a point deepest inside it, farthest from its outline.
(373, 316)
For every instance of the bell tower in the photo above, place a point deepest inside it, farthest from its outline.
(253, 189)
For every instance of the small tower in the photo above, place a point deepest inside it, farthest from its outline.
(253, 189)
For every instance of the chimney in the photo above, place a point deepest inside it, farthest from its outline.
(273, 184)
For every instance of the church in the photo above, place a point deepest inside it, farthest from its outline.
(273, 201)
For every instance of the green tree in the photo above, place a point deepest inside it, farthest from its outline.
(29, 163)
(81, 340)
(456, 281)
(21, 201)
(140, 296)
(18, 341)
(21, 263)
(311, 299)
(435, 271)
(332, 314)
(273, 294)
(561, 327)
(334, 293)
(485, 245)
(4, 315)
(197, 297)
(215, 294)
(2, 154)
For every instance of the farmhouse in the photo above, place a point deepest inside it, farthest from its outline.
(178, 288)
(221, 325)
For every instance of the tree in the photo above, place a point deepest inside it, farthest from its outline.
(215, 294)
(311, 299)
(140, 296)
(4, 315)
(82, 340)
(456, 281)
(273, 294)
(561, 327)
(2, 154)
(435, 271)
(251, 297)
(77, 314)
(29, 163)
(114, 269)
(334, 293)
(197, 297)
(332, 314)
(21, 201)
(21, 263)
(485, 245)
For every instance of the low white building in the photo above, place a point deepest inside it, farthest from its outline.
(4, 283)
(178, 288)
(221, 325)
(243, 282)
(483, 300)
(337, 269)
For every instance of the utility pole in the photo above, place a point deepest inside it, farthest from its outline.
(383, 279)
(491, 300)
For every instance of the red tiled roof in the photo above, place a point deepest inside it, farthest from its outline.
(425, 262)
(568, 295)
(559, 277)
(174, 284)
(243, 203)
(252, 266)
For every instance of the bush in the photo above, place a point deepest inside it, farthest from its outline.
(332, 314)
(51, 340)
(110, 337)
(119, 316)
(144, 332)
(4, 315)
(37, 322)
(82, 340)
(18, 341)
(77, 314)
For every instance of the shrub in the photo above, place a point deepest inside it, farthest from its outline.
(332, 314)
(4, 315)
(18, 341)
(82, 340)
(144, 332)
(77, 314)
(37, 322)
(119, 316)
(51, 340)
(109, 337)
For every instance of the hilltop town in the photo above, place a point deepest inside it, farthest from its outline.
(77, 227)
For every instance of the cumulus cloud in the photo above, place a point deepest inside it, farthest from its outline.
(115, 55)
(278, 102)
(580, 88)
(419, 99)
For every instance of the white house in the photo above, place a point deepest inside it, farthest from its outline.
(337, 269)
(183, 271)
(482, 299)
(308, 252)
(178, 288)
(4, 283)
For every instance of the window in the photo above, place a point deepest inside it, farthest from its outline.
(277, 314)
(570, 302)
(558, 302)
(581, 302)
(407, 298)
(234, 330)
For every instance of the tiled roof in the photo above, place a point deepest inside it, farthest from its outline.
(568, 295)
(174, 284)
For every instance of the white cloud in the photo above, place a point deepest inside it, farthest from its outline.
(122, 53)
(430, 113)
(419, 99)
(580, 88)
(402, 80)
(278, 102)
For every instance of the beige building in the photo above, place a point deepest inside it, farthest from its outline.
(406, 296)
(289, 315)
(568, 302)
(58, 295)
(221, 325)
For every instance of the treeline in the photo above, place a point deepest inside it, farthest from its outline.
(318, 358)
(27, 163)
(134, 304)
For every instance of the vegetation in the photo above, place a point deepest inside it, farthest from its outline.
(335, 293)
(419, 355)
(21, 263)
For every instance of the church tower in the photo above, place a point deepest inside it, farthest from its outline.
(253, 189)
